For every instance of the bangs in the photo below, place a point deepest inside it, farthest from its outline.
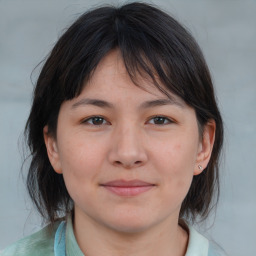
(160, 54)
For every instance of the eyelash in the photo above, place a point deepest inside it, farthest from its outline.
(86, 121)
(169, 121)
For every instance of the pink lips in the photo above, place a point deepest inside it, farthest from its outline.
(127, 188)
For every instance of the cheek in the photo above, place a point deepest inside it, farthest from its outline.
(178, 156)
(80, 161)
(79, 153)
(175, 164)
(184, 157)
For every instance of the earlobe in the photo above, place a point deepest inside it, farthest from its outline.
(198, 170)
(205, 147)
(52, 150)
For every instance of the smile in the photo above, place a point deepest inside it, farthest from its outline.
(127, 188)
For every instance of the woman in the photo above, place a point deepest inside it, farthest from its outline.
(125, 137)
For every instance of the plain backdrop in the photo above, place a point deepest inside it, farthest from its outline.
(226, 32)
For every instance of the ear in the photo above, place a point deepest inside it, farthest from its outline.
(52, 150)
(205, 147)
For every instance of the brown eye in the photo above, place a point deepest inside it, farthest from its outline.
(160, 120)
(95, 120)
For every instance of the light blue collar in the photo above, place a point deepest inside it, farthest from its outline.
(198, 245)
(60, 240)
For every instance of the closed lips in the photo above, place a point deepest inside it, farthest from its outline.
(131, 183)
(128, 188)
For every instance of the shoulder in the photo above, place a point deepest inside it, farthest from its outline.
(215, 250)
(201, 246)
(37, 244)
(197, 243)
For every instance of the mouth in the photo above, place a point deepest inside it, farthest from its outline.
(127, 188)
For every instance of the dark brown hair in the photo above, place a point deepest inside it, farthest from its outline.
(151, 42)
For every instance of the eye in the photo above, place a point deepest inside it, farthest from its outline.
(160, 120)
(95, 120)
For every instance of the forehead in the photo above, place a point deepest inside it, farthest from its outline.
(111, 79)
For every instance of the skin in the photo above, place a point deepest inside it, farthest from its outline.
(127, 143)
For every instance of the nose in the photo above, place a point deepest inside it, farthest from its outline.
(127, 149)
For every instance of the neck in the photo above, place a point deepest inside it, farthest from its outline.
(165, 239)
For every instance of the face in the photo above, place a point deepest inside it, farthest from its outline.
(127, 154)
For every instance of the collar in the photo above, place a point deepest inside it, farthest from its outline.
(198, 245)
(65, 243)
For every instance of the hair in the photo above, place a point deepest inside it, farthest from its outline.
(151, 43)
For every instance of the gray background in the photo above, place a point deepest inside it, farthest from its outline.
(226, 31)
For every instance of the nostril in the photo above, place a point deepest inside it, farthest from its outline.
(128, 165)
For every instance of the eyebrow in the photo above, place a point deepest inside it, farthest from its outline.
(144, 105)
(94, 102)
(162, 102)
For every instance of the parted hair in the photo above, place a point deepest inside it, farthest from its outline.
(151, 43)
